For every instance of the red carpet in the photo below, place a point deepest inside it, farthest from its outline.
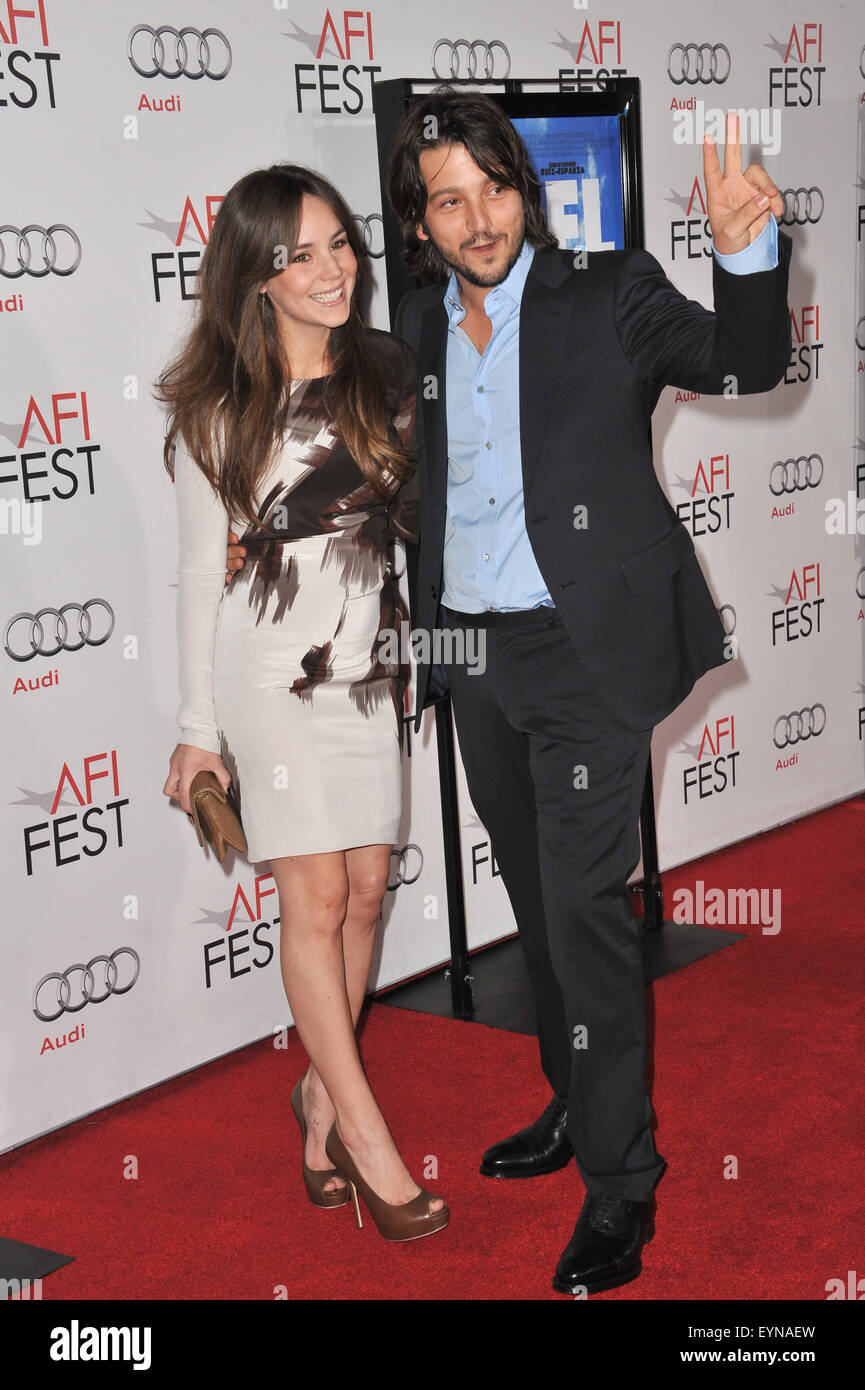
(757, 1054)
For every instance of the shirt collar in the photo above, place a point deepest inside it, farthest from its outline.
(512, 286)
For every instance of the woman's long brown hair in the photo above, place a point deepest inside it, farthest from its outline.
(226, 386)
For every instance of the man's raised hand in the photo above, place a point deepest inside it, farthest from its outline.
(738, 205)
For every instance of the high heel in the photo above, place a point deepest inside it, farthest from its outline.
(403, 1221)
(315, 1178)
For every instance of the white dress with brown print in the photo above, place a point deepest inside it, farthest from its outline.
(280, 670)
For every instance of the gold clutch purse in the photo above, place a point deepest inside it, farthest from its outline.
(214, 815)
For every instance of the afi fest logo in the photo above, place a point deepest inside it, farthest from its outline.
(89, 828)
(691, 232)
(342, 87)
(173, 272)
(235, 954)
(715, 758)
(54, 451)
(798, 81)
(803, 600)
(26, 60)
(596, 54)
(707, 509)
(806, 345)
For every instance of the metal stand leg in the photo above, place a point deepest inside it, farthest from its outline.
(460, 978)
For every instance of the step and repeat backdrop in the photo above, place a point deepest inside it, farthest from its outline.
(129, 955)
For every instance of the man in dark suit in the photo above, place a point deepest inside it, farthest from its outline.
(543, 523)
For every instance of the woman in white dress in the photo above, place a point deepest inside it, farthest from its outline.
(293, 423)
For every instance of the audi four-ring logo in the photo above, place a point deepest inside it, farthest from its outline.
(862, 61)
(698, 62)
(371, 237)
(29, 634)
(405, 866)
(795, 475)
(92, 992)
(727, 614)
(801, 724)
(462, 55)
(860, 584)
(860, 335)
(59, 250)
(179, 58)
(802, 205)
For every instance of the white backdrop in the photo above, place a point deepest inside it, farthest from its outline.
(128, 170)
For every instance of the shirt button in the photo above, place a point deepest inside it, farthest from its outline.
(486, 557)
(480, 388)
(488, 445)
(492, 501)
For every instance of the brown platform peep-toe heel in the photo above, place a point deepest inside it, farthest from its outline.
(405, 1221)
(315, 1178)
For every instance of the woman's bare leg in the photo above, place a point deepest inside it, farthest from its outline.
(367, 869)
(320, 895)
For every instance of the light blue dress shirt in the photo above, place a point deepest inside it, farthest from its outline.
(488, 559)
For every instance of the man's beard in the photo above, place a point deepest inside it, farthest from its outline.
(484, 279)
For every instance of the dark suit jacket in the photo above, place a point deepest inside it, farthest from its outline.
(597, 346)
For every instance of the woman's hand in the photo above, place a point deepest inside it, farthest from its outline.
(186, 761)
(234, 556)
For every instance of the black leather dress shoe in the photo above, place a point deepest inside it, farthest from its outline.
(604, 1250)
(543, 1147)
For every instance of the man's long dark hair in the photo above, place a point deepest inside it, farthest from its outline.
(226, 386)
(448, 116)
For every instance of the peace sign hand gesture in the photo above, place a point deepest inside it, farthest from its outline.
(738, 205)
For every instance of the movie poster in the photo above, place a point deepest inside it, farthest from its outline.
(578, 161)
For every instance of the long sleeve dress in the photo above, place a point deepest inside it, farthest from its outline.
(281, 670)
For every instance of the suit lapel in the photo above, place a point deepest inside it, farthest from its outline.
(544, 313)
(433, 358)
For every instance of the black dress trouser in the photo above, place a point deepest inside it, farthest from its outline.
(557, 782)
